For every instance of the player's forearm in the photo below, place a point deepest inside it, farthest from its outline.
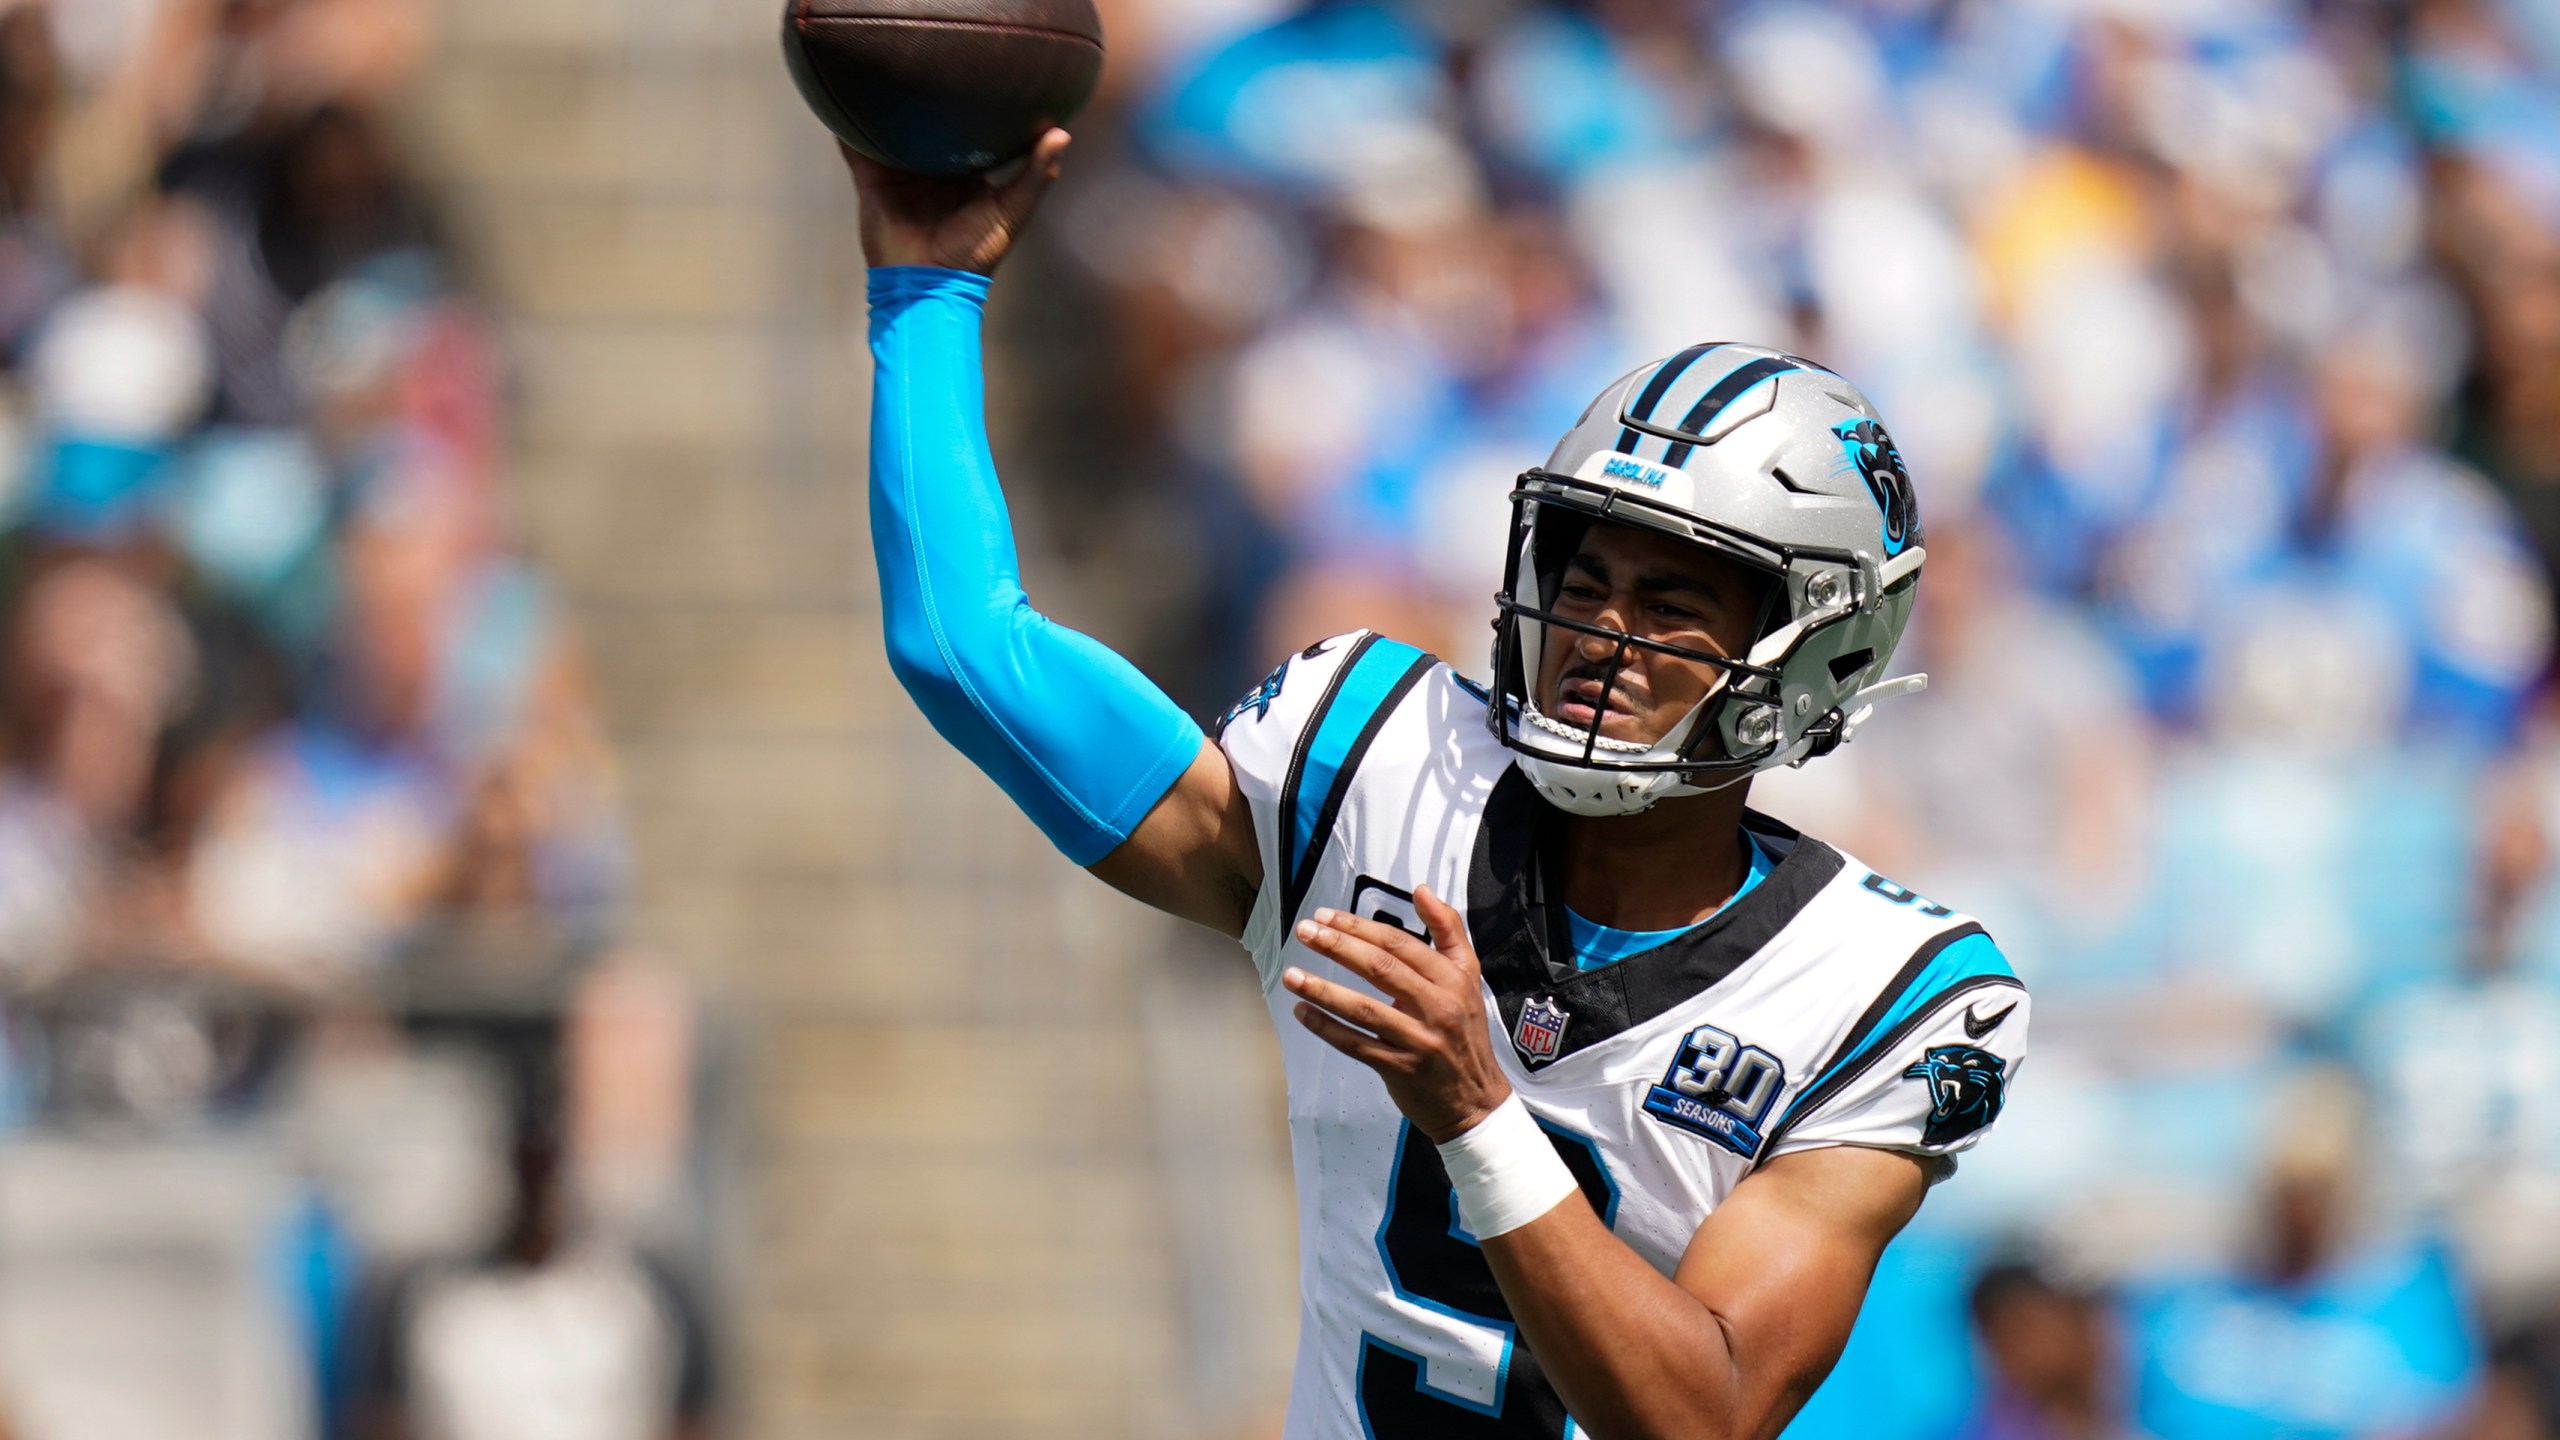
(1075, 735)
(1633, 1356)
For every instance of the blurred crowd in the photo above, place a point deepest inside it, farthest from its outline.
(310, 850)
(2223, 340)
(278, 695)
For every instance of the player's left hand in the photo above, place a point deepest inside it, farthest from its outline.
(1432, 1045)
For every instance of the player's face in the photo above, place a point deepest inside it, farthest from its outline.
(1656, 588)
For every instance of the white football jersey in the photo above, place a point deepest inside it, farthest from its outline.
(1825, 1006)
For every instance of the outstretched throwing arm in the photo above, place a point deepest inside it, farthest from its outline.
(1113, 772)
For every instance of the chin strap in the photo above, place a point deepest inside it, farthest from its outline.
(1842, 725)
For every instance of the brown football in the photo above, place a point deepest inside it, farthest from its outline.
(943, 87)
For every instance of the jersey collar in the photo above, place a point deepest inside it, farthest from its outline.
(1518, 924)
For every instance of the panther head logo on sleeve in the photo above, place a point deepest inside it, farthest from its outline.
(1967, 1086)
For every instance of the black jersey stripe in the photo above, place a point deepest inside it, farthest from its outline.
(1813, 1099)
(1835, 1080)
(1921, 959)
(1286, 820)
(1302, 878)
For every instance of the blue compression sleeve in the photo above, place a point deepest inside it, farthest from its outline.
(1082, 742)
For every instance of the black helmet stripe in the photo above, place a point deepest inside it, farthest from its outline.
(1723, 393)
(1657, 387)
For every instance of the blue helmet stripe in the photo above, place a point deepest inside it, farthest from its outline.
(1724, 393)
(1664, 376)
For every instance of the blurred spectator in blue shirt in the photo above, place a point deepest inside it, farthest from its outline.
(2328, 1331)
(2404, 602)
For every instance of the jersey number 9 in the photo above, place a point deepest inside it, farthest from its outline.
(1435, 1264)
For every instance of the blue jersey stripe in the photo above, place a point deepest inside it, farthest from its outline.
(1970, 961)
(1973, 957)
(1371, 678)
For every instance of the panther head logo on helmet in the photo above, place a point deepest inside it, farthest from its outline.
(1879, 463)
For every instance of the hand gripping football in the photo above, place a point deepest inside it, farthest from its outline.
(943, 87)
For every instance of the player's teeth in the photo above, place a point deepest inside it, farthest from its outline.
(1580, 736)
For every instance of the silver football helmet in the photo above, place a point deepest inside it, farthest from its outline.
(1765, 458)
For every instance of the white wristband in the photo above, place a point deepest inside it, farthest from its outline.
(1506, 1171)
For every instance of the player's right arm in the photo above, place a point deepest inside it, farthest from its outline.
(1115, 774)
(1731, 1344)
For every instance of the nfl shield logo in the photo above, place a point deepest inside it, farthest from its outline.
(1541, 1030)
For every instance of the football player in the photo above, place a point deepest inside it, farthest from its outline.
(1605, 1092)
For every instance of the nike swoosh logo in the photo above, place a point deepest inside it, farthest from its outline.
(1975, 1027)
